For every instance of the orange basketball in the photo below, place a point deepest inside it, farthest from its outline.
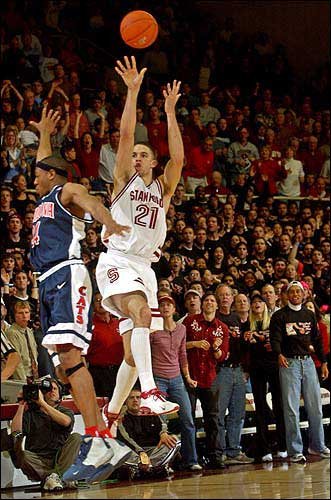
(139, 29)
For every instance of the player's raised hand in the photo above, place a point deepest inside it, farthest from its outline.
(171, 96)
(49, 120)
(128, 71)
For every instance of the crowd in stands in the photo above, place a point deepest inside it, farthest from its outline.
(252, 212)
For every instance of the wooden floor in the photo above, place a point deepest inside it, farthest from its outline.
(277, 480)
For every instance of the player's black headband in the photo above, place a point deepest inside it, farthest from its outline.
(45, 166)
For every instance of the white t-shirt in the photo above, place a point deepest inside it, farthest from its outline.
(291, 185)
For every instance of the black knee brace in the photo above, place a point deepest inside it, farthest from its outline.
(72, 370)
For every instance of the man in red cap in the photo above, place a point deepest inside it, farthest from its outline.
(169, 362)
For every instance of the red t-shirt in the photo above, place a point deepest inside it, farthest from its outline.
(271, 168)
(89, 162)
(323, 329)
(201, 163)
(106, 347)
(312, 162)
(158, 137)
(202, 364)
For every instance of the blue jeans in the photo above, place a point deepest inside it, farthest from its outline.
(176, 391)
(301, 377)
(231, 384)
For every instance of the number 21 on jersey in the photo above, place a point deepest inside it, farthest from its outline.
(146, 216)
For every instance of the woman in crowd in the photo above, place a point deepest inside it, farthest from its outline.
(217, 262)
(291, 184)
(21, 198)
(13, 160)
(263, 374)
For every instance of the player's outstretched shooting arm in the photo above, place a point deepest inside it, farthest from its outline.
(173, 169)
(123, 167)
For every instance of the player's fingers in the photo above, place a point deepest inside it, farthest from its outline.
(120, 65)
(118, 71)
(127, 62)
(133, 62)
(142, 72)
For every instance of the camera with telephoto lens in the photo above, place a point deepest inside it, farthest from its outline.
(31, 391)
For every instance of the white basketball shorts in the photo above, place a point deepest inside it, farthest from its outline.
(118, 273)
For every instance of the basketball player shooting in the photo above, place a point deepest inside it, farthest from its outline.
(124, 275)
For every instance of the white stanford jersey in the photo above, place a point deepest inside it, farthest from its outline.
(140, 207)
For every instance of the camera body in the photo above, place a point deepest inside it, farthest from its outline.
(31, 391)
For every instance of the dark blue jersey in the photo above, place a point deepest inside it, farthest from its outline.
(56, 233)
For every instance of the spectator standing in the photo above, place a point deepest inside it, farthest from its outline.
(141, 132)
(88, 149)
(207, 113)
(10, 359)
(105, 352)
(192, 303)
(108, 157)
(264, 373)
(290, 185)
(323, 329)
(231, 382)
(21, 198)
(13, 160)
(22, 339)
(200, 167)
(169, 362)
(207, 342)
(6, 199)
(15, 241)
(293, 329)
(266, 172)
(75, 107)
(94, 112)
(21, 282)
(157, 133)
(241, 153)
(269, 296)
(312, 159)
(194, 127)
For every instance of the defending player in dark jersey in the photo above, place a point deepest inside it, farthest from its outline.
(66, 294)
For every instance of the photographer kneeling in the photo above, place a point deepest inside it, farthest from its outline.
(50, 448)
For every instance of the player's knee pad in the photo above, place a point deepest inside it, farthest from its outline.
(73, 369)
